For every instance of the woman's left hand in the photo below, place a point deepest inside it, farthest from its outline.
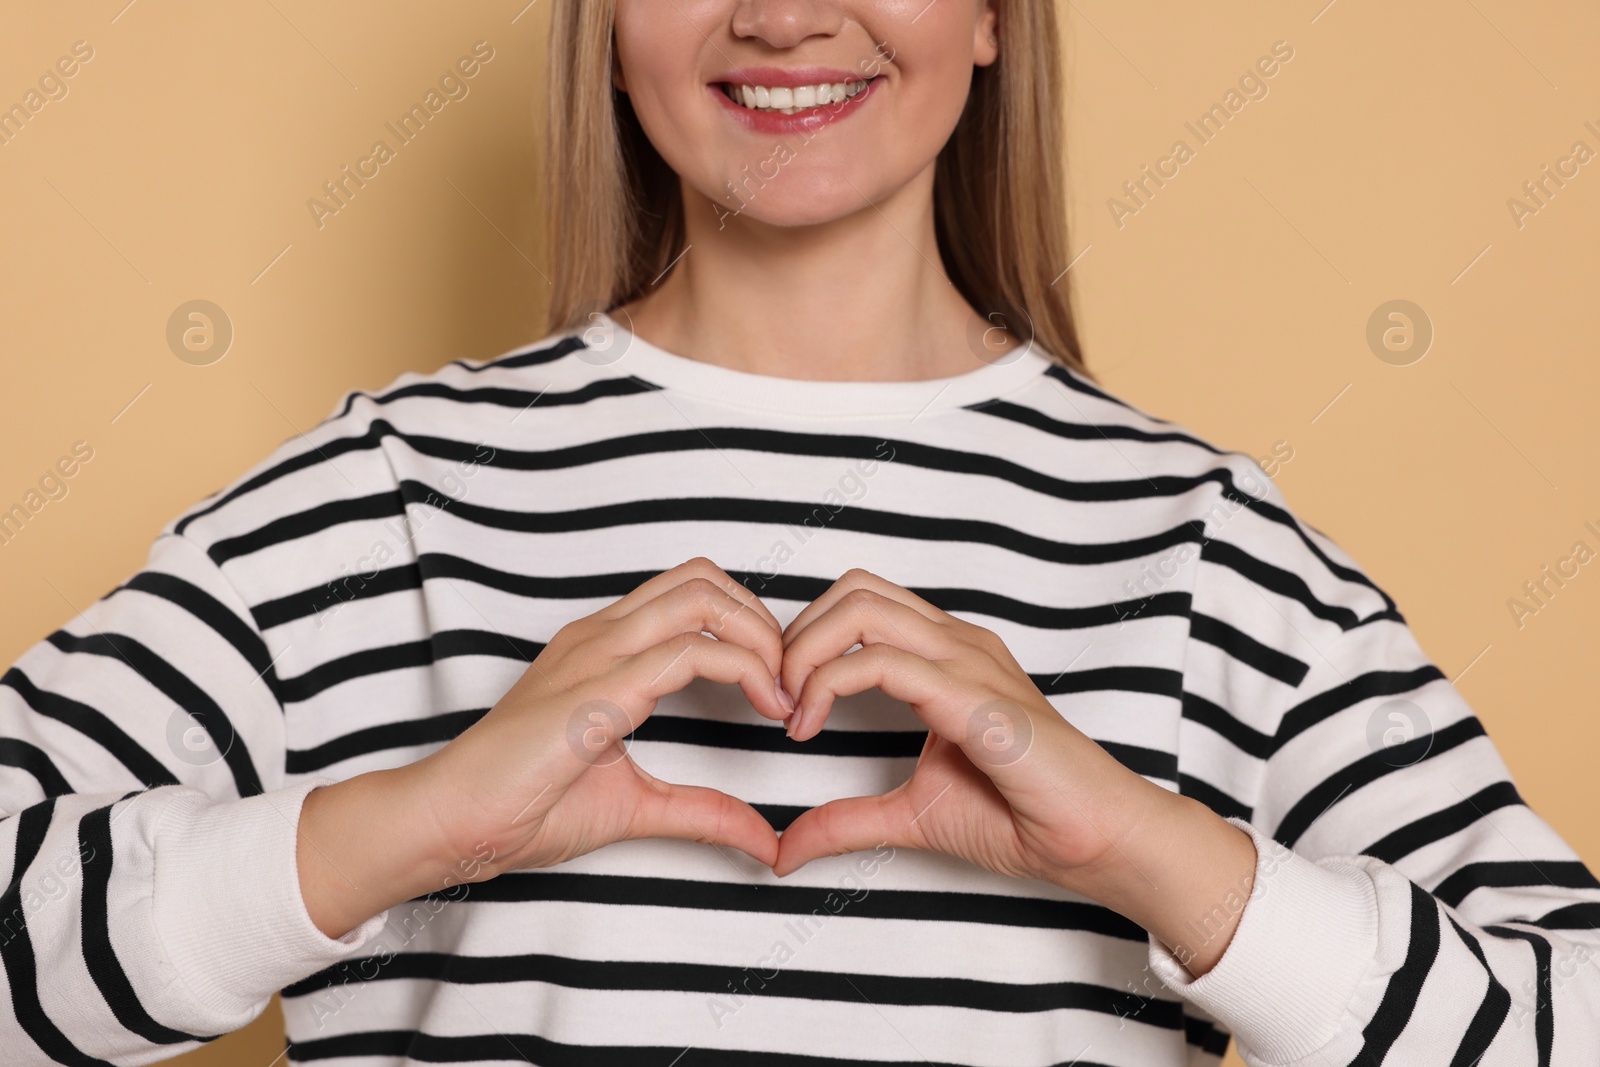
(1004, 781)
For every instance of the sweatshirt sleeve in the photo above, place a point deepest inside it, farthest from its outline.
(149, 894)
(1407, 908)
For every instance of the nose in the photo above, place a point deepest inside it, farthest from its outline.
(786, 23)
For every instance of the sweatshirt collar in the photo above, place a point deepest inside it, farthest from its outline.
(613, 346)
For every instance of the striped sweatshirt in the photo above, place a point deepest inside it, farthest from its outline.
(376, 584)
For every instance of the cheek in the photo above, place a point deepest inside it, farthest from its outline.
(678, 124)
(658, 45)
(646, 70)
(935, 66)
(930, 104)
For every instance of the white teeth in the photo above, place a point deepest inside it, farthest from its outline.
(788, 100)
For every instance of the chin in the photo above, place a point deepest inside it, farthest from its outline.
(802, 203)
(810, 214)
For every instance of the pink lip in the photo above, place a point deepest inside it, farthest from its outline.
(807, 121)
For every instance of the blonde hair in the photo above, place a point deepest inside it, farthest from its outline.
(616, 215)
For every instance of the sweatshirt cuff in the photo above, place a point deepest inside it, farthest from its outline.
(1304, 942)
(226, 900)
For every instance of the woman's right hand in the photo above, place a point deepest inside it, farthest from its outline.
(544, 776)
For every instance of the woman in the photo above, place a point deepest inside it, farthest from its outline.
(471, 721)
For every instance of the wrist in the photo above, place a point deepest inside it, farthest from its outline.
(1179, 870)
(1212, 876)
(368, 843)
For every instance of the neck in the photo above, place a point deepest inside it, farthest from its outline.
(863, 297)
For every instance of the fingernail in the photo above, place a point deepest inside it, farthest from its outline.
(784, 698)
(798, 720)
(788, 725)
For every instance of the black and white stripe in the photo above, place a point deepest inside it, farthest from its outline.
(368, 591)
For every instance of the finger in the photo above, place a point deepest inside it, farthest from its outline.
(853, 824)
(674, 663)
(858, 578)
(995, 733)
(862, 616)
(698, 567)
(899, 674)
(696, 813)
(693, 606)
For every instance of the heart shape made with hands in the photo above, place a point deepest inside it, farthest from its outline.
(990, 785)
(1004, 781)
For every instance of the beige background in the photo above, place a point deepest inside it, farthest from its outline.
(1234, 301)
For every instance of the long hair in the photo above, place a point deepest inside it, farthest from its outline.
(615, 213)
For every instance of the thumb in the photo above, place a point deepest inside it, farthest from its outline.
(853, 824)
(696, 813)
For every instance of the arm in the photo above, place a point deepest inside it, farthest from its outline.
(1411, 908)
(1310, 955)
(148, 890)
(159, 882)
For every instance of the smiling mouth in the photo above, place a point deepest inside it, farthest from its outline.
(787, 100)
